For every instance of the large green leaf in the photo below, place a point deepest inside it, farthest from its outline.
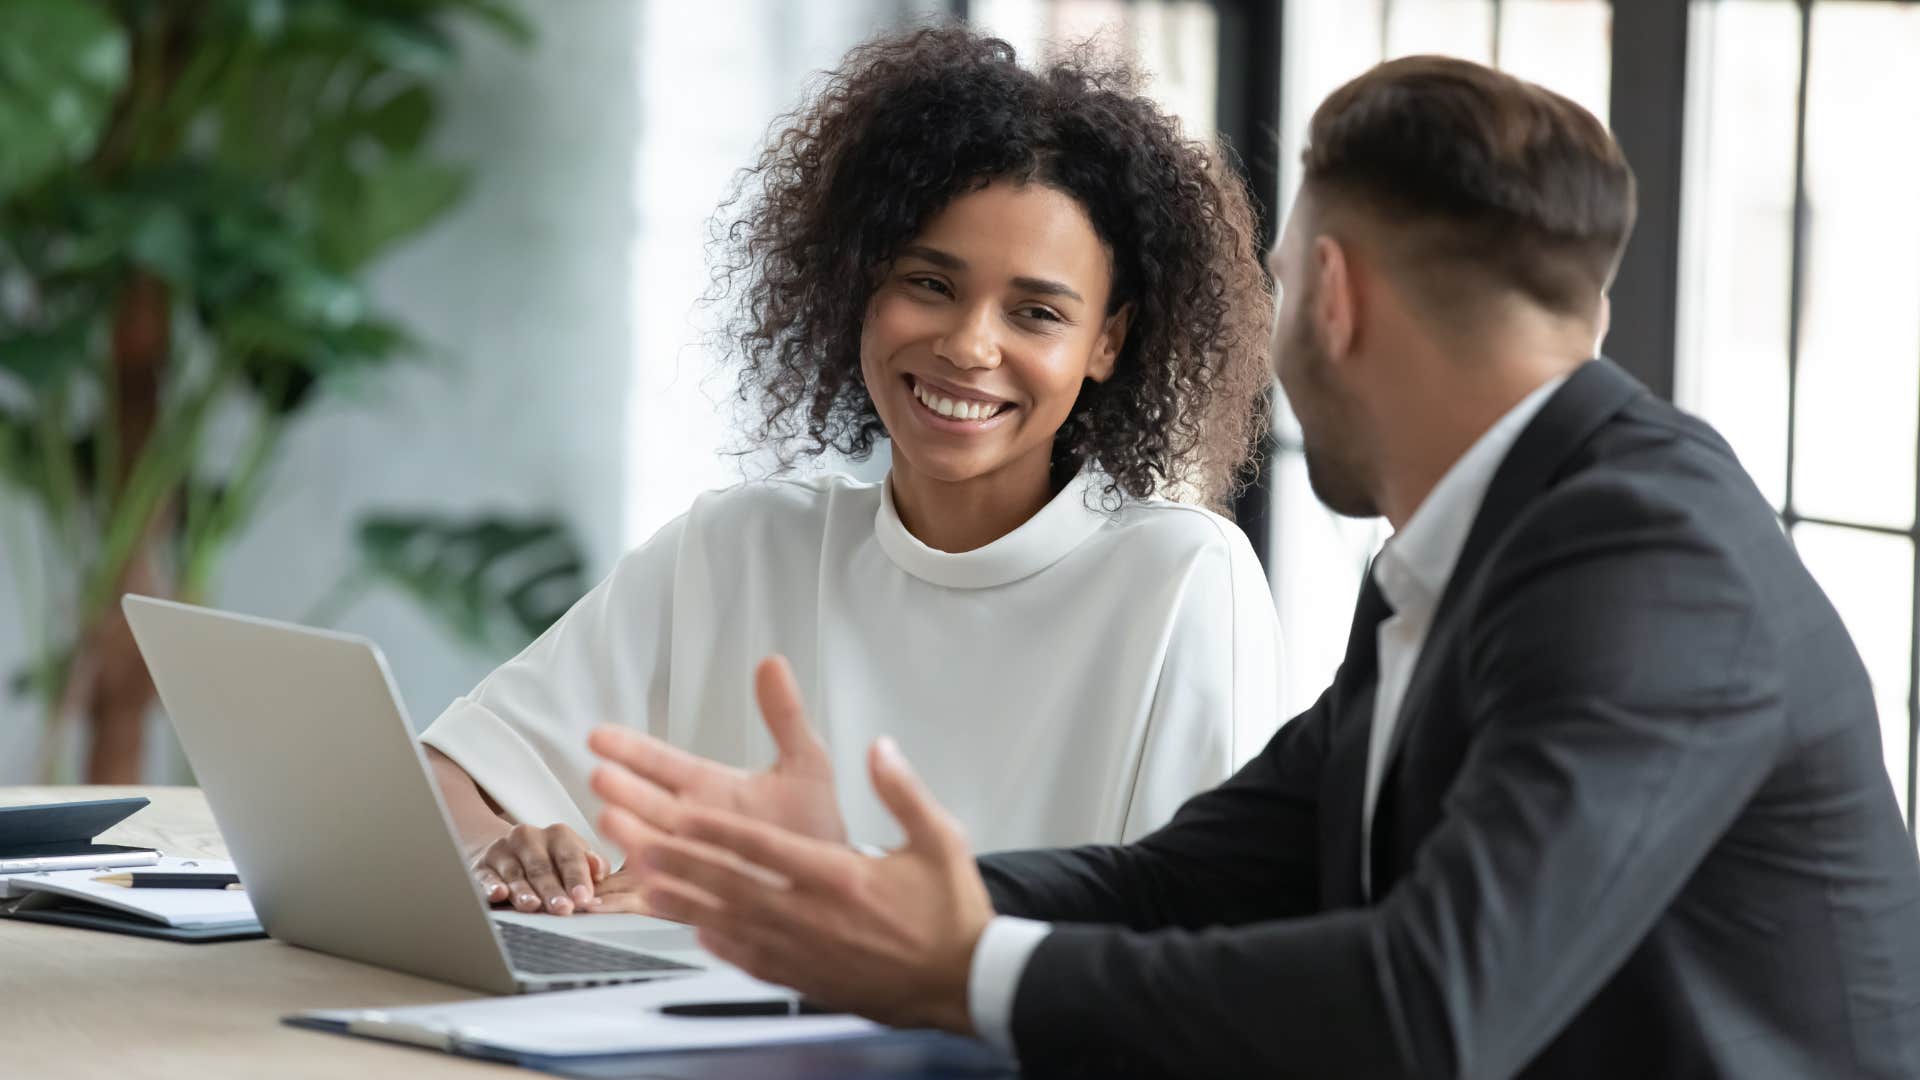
(18, 467)
(492, 581)
(275, 337)
(403, 120)
(162, 241)
(397, 35)
(501, 15)
(375, 210)
(417, 48)
(39, 358)
(61, 64)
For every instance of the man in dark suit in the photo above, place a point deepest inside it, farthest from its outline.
(1597, 790)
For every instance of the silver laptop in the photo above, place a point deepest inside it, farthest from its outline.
(337, 829)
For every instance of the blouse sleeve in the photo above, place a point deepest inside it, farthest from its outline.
(522, 733)
(1217, 700)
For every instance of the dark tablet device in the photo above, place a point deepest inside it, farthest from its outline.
(59, 836)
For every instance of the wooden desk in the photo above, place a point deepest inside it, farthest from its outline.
(80, 1003)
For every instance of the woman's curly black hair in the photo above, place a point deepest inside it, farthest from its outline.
(907, 123)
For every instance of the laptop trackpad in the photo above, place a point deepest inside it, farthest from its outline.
(649, 941)
(642, 933)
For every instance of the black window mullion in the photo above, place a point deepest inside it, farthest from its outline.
(1250, 53)
(1647, 106)
(1797, 518)
(1493, 47)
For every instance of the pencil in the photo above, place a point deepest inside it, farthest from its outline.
(163, 880)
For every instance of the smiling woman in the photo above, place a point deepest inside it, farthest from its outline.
(1048, 301)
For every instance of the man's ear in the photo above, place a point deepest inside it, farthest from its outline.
(1336, 301)
(1106, 351)
(1605, 322)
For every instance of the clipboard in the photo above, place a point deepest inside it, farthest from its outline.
(622, 1032)
(886, 1056)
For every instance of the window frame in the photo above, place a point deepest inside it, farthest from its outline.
(1647, 101)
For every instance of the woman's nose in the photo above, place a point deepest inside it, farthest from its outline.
(973, 343)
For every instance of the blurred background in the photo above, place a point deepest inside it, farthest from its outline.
(383, 314)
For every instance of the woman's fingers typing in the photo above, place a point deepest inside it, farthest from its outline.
(535, 869)
(572, 866)
(494, 889)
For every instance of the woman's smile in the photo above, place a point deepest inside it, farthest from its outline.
(945, 407)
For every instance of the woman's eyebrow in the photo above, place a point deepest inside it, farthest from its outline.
(1046, 288)
(941, 259)
(946, 260)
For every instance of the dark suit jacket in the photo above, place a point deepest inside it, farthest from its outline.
(1637, 825)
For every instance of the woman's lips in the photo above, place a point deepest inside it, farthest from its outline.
(949, 411)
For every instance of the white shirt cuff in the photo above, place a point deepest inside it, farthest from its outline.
(999, 959)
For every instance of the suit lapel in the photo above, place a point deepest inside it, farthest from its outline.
(1589, 398)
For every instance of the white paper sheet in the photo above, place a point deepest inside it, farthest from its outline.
(604, 1020)
(19, 884)
(185, 908)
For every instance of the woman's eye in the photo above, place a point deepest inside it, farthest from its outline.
(1043, 314)
(934, 285)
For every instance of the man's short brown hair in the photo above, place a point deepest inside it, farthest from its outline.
(1485, 182)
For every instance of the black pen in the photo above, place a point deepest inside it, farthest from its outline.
(769, 1007)
(155, 879)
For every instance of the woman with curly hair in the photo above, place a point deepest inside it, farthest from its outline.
(1048, 302)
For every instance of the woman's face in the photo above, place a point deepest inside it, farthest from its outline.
(982, 331)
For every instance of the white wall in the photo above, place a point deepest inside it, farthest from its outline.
(713, 78)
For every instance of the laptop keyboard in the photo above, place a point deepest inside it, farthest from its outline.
(542, 952)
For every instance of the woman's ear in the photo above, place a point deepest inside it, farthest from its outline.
(1106, 351)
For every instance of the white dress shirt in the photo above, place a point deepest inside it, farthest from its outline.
(1412, 572)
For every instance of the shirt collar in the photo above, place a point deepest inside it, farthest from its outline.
(1413, 568)
(1042, 540)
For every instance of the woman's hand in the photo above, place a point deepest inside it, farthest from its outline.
(655, 781)
(619, 893)
(537, 869)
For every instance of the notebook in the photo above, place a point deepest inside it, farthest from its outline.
(615, 1032)
(73, 898)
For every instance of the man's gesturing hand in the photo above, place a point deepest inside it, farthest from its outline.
(889, 938)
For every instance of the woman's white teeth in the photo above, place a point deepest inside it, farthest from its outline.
(951, 408)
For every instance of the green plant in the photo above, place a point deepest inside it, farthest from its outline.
(190, 192)
(491, 583)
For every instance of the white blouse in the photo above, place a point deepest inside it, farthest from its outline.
(1072, 682)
